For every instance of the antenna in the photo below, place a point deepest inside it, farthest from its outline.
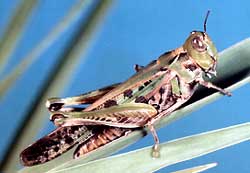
(205, 21)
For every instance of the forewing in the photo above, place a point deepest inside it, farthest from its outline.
(54, 144)
(150, 72)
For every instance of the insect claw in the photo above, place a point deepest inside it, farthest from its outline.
(156, 151)
(229, 94)
(54, 104)
(56, 116)
(225, 92)
(138, 67)
(127, 132)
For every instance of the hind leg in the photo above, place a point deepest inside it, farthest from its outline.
(156, 147)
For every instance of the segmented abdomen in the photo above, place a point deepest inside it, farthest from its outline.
(103, 135)
(54, 144)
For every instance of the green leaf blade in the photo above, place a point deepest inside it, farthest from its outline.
(197, 169)
(171, 152)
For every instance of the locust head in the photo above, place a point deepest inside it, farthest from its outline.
(201, 49)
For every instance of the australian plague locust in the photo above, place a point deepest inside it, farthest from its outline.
(155, 91)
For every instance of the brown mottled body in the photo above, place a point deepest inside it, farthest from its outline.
(155, 91)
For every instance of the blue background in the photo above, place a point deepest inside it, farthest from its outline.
(134, 32)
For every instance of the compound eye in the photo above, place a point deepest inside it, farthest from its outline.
(198, 44)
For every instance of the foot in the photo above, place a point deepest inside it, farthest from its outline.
(156, 151)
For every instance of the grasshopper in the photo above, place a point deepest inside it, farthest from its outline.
(155, 91)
